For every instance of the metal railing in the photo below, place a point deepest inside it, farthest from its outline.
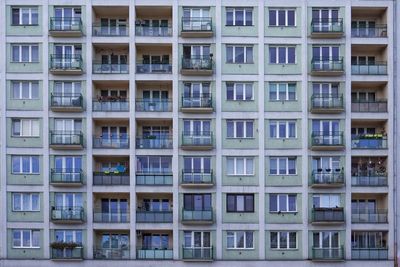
(147, 68)
(110, 217)
(327, 177)
(110, 105)
(154, 142)
(66, 62)
(196, 24)
(369, 141)
(369, 179)
(328, 253)
(109, 68)
(369, 106)
(66, 138)
(73, 253)
(154, 253)
(200, 138)
(332, 138)
(200, 101)
(197, 63)
(154, 178)
(111, 178)
(194, 176)
(116, 31)
(118, 142)
(197, 253)
(197, 215)
(153, 105)
(66, 100)
(160, 31)
(66, 176)
(369, 253)
(111, 253)
(369, 32)
(327, 64)
(369, 216)
(377, 68)
(65, 213)
(65, 24)
(326, 101)
(327, 25)
(148, 216)
(327, 215)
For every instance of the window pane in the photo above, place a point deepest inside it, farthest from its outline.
(291, 55)
(35, 202)
(240, 203)
(25, 53)
(15, 90)
(292, 166)
(15, 53)
(26, 200)
(282, 91)
(35, 238)
(35, 53)
(273, 166)
(249, 203)
(283, 240)
(17, 238)
(283, 203)
(35, 90)
(26, 238)
(272, 91)
(17, 202)
(249, 239)
(16, 127)
(273, 205)
(35, 164)
(281, 18)
(274, 239)
(292, 240)
(230, 240)
(229, 54)
(16, 164)
(25, 90)
(291, 19)
(249, 92)
(230, 129)
(292, 129)
(282, 165)
(272, 55)
(239, 17)
(25, 16)
(239, 129)
(25, 165)
(292, 91)
(229, 91)
(239, 91)
(230, 166)
(35, 16)
(230, 199)
(282, 54)
(249, 129)
(249, 166)
(272, 130)
(272, 18)
(249, 54)
(240, 239)
(249, 17)
(239, 166)
(239, 54)
(15, 16)
(292, 202)
(282, 129)
(229, 17)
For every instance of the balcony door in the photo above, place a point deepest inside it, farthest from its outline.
(326, 244)
(114, 135)
(66, 130)
(65, 93)
(199, 242)
(326, 201)
(67, 236)
(325, 57)
(115, 27)
(154, 27)
(114, 246)
(66, 18)
(196, 169)
(66, 56)
(156, 63)
(324, 19)
(325, 94)
(154, 164)
(363, 28)
(368, 240)
(156, 204)
(197, 202)
(114, 210)
(69, 166)
(155, 241)
(193, 18)
(196, 51)
(155, 100)
(114, 63)
(195, 93)
(68, 200)
(327, 131)
(198, 130)
(324, 167)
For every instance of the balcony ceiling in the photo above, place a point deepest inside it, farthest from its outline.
(151, 11)
(114, 11)
(367, 12)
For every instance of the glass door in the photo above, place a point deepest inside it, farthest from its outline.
(69, 166)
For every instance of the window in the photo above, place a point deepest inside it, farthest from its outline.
(240, 203)
(68, 236)
(26, 201)
(283, 240)
(24, 16)
(25, 164)
(282, 203)
(239, 240)
(27, 53)
(240, 166)
(25, 90)
(282, 91)
(239, 16)
(363, 60)
(26, 238)
(239, 91)
(239, 129)
(25, 127)
(154, 164)
(239, 54)
(282, 129)
(282, 55)
(282, 17)
(197, 202)
(326, 201)
(282, 165)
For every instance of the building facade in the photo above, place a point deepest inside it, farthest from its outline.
(182, 132)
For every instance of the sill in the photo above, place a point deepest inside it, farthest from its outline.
(226, 25)
(17, 136)
(284, 212)
(239, 175)
(25, 62)
(236, 212)
(282, 26)
(239, 249)
(232, 100)
(284, 249)
(240, 138)
(24, 25)
(29, 211)
(26, 247)
(283, 64)
(239, 63)
(13, 173)
(281, 175)
(283, 100)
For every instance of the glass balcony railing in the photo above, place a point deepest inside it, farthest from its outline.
(66, 62)
(369, 141)
(369, 106)
(111, 105)
(200, 101)
(332, 138)
(197, 215)
(66, 138)
(377, 68)
(152, 178)
(374, 178)
(117, 142)
(153, 105)
(369, 216)
(66, 176)
(111, 253)
(111, 178)
(65, 213)
(197, 63)
(369, 253)
(153, 31)
(154, 142)
(328, 254)
(327, 25)
(324, 177)
(153, 68)
(65, 24)
(110, 217)
(327, 215)
(58, 100)
(110, 31)
(196, 24)
(373, 32)
(326, 101)
(201, 138)
(148, 216)
(105, 68)
(197, 253)
(66, 251)
(327, 64)
(197, 177)
(154, 253)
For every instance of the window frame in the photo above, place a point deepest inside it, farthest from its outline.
(278, 160)
(235, 203)
(277, 54)
(278, 123)
(32, 131)
(286, 10)
(30, 9)
(278, 197)
(235, 159)
(21, 200)
(278, 240)
(234, 234)
(20, 158)
(21, 88)
(277, 91)
(234, 47)
(234, 86)
(239, 9)
(235, 131)
(21, 238)
(30, 53)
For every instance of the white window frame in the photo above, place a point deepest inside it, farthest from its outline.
(278, 160)
(276, 10)
(21, 163)
(21, 238)
(244, 90)
(278, 203)
(245, 60)
(234, 235)
(22, 197)
(235, 160)
(242, 9)
(33, 128)
(21, 88)
(277, 47)
(73, 233)
(245, 122)
(331, 200)
(277, 95)
(278, 134)
(30, 47)
(283, 246)
(30, 12)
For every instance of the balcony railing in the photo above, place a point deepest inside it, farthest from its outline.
(197, 253)
(328, 177)
(196, 24)
(115, 105)
(369, 106)
(72, 253)
(369, 179)
(200, 101)
(326, 101)
(369, 141)
(369, 253)
(154, 253)
(197, 63)
(147, 216)
(65, 24)
(327, 215)
(118, 142)
(112, 31)
(66, 62)
(332, 138)
(110, 178)
(65, 213)
(111, 253)
(66, 138)
(196, 177)
(377, 68)
(153, 105)
(154, 142)
(197, 215)
(160, 31)
(165, 178)
(58, 100)
(328, 254)
(201, 138)
(369, 216)
(104, 68)
(145, 68)
(364, 32)
(327, 25)
(110, 217)
(327, 64)
(66, 176)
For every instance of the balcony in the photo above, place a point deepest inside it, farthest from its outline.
(197, 253)
(328, 254)
(365, 178)
(66, 177)
(110, 31)
(377, 68)
(154, 142)
(153, 105)
(154, 253)
(66, 251)
(65, 27)
(369, 254)
(369, 141)
(197, 216)
(327, 178)
(327, 28)
(369, 216)
(147, 216)
(327, 216)
(110, 217)
(153, 68)
(111, 142)
(66, 64)
(327, 104)
(66, 139)
(111, 253)
(327, 141)
(197, 66)
(197, 27)
(197, 104)
(111, 178)
(66, 102)
(197, 178)
(327, 67)
(105, 68)
(378, 31)
(369, 106)
(60, 214)
(197, 140)
(154, 179)
(102, 104)
(153, 31)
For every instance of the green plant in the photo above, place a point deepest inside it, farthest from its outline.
(64, 245)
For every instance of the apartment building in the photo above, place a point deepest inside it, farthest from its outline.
(198, 133)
